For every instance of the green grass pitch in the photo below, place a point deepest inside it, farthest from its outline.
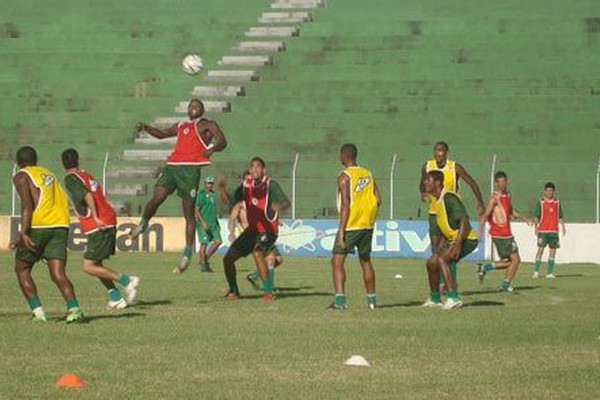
(184, 341)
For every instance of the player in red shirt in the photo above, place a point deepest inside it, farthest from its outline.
(498, 213)
(548, 215)
(197, 140)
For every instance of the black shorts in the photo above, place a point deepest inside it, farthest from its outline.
(251, 240)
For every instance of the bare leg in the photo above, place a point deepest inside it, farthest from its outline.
(190, 221)
(513, 266)
(60, 279)
(444, 263)
(368, 273)
(91, 268)
(540, 253)
(261, 264)
(214, 246)
(433, 272)
(202, 253)
(158, 197)
(26, 283)
(339, 273)
(273, 260)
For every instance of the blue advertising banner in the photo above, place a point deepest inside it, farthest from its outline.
(391, 238)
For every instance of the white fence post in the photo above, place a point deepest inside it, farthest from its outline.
(294, 168)
(14, 194)
(487, 235)
(392, 171)
(104, 173)
(598, 193)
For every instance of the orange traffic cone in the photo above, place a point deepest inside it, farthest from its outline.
(70, 381)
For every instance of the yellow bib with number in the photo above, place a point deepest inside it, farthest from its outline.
(363, 201)
(450, 178)
(52, 209)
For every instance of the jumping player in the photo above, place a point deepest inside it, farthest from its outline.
(547, 216)
(44, 233)
(209, 231)
(263, 200)
(358, 200)
(98, 221)
(197, 140)
(459, 240)
(499, 211)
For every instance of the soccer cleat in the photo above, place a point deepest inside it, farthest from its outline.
(371, 306)
(452, 304)
(131, 289)
(253, 282)
(232, 296)
(38, 318)
(205, 268)
(431, 304)
(480, 272)
(268, 298)
(509, 289)
(138, 230)
(535, 275)
(182, 266)
(334, 306)
(116, 305)
(550, 276)
(74, 315)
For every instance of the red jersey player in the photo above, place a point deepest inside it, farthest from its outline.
(548, 215)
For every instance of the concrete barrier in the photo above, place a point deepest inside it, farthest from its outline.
(284, 17)
(133, 172)
(233, 75)
(272, 31)
(253, 61)
(218, 91)
(266, 46)
(209, 106)
(146, 155)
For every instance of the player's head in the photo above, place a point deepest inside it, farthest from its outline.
(501, 180)
(549, 190)
(195, 108)
(434, 182)
(209, 183)
(440, 151)
(70, 158)
(26, 157)
(348, 154)
(257, 167)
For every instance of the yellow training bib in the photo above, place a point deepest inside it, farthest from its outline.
(450, 177)
(52, 209)
(439, 208)
(363, 202)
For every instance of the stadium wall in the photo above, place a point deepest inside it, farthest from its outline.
(314, 238)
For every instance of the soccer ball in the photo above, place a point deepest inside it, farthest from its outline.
(192, 64)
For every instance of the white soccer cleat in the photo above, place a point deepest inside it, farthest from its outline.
(535, 275)
(452, 304)
(116, 305)
(431, 304)
(550, 276)
(184, 263)
(131, 289)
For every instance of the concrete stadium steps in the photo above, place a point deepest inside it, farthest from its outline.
(146, 139)
(259, 46)
(232, 76)
(145, 155)
(209, 106)
(132, 172)
(140, 189)
(300, 4)
(272, 31)
(252, 61)
(284, 17)
(218, 91)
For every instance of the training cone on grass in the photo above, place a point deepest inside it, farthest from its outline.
(70, 381)
(357, 361)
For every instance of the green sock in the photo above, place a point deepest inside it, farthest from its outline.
(538, 264)
(505, 284)
(550, 265)
(453, 269)
(272, 274)
(34, 302)
(453, 294)
(233, 288)
(488, 266)
(72, 303)
(371, 298)
(267, 284)
(187, 251)
(124, 279)
(114, 295)
(435, 297)
(339, 299)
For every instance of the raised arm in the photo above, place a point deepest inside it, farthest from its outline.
(233, 218)
(522, 217)
(492, 202)
(155, 132)
(343, 182)
(463, 174)
(218, 143)
(21, 182)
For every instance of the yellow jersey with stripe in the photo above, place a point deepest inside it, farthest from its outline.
(449, 210)
(363, 201)
(450, 177)
(52, 208)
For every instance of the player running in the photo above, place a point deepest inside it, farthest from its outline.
(358, 200)
(207, 224)
(44, 233)
(263, 199)
(499, 211)
(98, 221)
(547, 216)
(459, 240)
(197, 140)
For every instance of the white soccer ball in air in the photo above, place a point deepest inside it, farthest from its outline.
(192, 64)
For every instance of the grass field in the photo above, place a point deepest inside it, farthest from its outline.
(183, 340)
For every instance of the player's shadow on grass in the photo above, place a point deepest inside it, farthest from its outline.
(88, 319)
(282, 295)
(407, 304)
(484, 303)
(148, 304)
(570, 276)
(492, 291)
(294, 289)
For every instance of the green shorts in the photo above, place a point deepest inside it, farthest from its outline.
(549, 239)
(250, 240)
(213, 234)
(51, 244)
(183, 178)
(360, 239)
(468, 246)
(434, 229)
(100, 245)
(505, 247)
